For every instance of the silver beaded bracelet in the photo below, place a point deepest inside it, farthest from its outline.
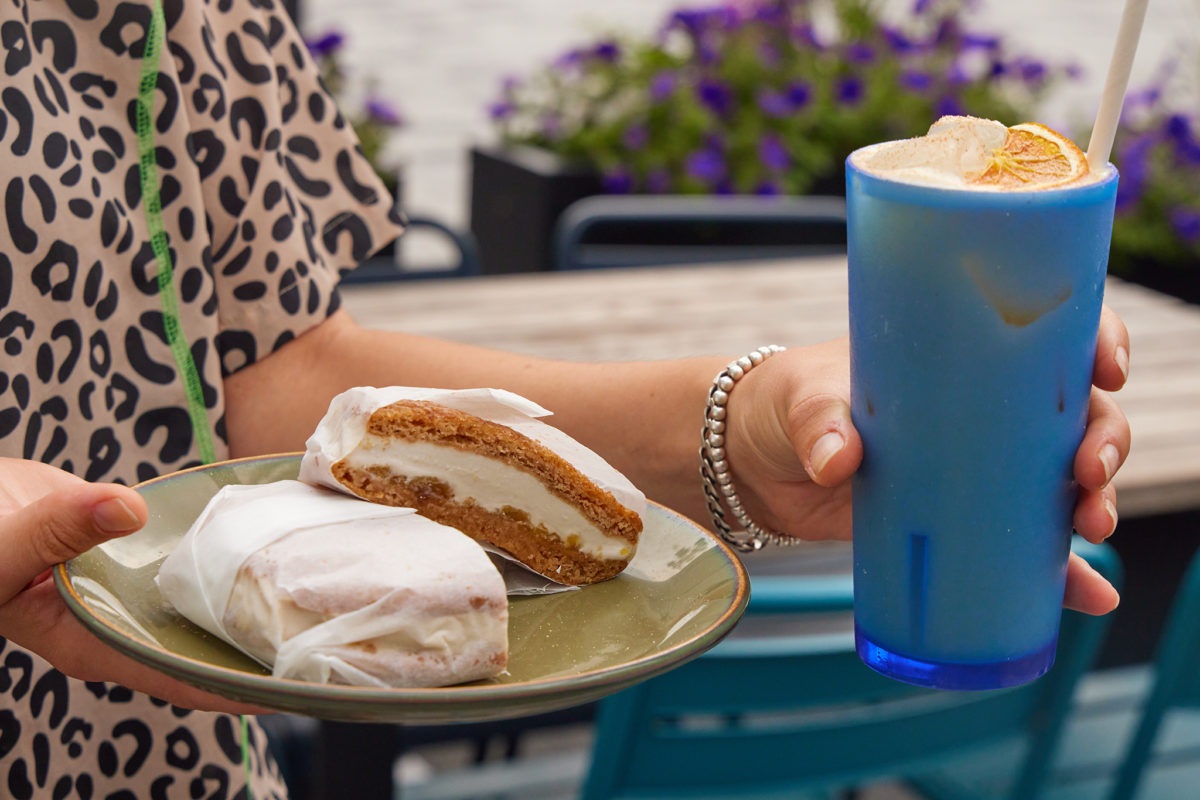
(714, 470)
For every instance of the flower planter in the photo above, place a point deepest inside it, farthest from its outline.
(1177, 280)
(517, 196)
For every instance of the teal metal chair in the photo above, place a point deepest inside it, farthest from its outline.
(1175, 685)
(793, 716)
(792, 713)
(1134, 731)
(642, 230)
(385, 268)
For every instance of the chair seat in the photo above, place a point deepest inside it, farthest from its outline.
(1107, 707)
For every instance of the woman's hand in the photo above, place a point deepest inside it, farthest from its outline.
(792, 449)
(48, 516)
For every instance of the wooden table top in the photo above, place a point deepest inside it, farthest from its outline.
(668, 312)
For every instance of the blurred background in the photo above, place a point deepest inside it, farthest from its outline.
(442, 62)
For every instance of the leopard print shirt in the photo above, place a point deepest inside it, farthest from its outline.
(266, 199)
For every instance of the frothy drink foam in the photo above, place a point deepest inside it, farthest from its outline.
(962, 152)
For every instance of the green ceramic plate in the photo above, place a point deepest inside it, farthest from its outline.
(681, 594)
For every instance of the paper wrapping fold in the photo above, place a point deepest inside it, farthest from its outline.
(396, 588)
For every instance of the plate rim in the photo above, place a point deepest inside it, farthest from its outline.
(245, 682)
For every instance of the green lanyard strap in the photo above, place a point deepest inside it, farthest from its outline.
(152, 202)
(158, 236)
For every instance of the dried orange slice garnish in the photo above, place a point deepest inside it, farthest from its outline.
(1033, 157)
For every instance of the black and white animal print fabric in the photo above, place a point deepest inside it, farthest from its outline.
(266, 198)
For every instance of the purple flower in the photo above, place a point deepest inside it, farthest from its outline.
(774, 104)
(716, 95)
(1178, 129)
(957, 75)
(860, 53)
(975, 41)
(798, 95)
(807, 36)
(948, 107)
(635, 137)
(849, 90)
(898, 41)
(1032, 71)
(658, 181)
(706, 165)
(689, 19)
(325, 44)
(661, 86)
(921, 6)
(770, 13)
(569, 59)
(383, 112)
(773, 153)
(916, 80)
(1186, 222)
(1134, 164)
(697, 20)
(947, 31)
(501, 110)
(608, 51)
(1188, 152)
(618, 181)
(767, 189)
(1143, 98)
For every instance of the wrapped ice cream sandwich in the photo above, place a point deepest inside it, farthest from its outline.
(324, 588)
(481, 461)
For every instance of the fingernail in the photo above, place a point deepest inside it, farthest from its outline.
(829, 445)
(1108, 459)
(113, 516)
(1112, 515)
(1122, 359)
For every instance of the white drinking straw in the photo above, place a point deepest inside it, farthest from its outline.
(1109, 113)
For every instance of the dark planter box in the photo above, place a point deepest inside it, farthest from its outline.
(1179, 280)
(517, 195)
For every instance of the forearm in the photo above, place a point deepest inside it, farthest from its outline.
(643, 417)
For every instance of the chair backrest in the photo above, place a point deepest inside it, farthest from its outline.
(770, 717)
(383, 268)
(1175, 665)
(640, 230)
(1175, 682)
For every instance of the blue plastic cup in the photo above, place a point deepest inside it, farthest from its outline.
(973, 321)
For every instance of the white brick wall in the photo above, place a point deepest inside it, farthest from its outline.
(442, 60)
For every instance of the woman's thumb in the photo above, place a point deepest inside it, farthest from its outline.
(60, 526)
(824, 438)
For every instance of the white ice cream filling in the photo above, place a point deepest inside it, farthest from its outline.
(492, 485)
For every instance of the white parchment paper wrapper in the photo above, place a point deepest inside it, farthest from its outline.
(412, 577)
(345, 423)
